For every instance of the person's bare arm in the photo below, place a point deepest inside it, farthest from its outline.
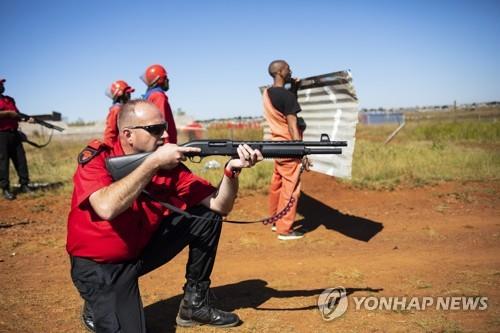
(114, 199)
(222, 201)
(8, 114)
(291, 119)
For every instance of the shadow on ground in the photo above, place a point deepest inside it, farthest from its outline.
(160, 316)
(35, 187)
(317, 213)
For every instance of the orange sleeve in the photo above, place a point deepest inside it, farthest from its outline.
(111, 130)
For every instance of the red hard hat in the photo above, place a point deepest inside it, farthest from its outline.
(154, 74)
(118, 88)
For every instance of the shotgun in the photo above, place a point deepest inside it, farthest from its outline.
(121, 166)
(40, 119)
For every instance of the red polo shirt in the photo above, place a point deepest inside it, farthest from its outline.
(8, 104)
(124, 237)
(160, 99)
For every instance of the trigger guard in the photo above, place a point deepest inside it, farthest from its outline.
(195, 159)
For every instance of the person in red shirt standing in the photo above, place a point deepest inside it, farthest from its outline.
(11, 145)
(117, 232)
(155, 77)
(120, 92)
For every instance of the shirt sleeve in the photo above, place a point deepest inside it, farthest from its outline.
(89, 178)
(8, 103)
(284, 101)
(158, 99)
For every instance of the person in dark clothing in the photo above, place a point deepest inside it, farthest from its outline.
(11, 145)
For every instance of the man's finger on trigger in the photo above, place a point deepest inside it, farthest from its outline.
(255, 156)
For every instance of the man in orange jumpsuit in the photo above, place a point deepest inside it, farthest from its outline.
(280, 110)
(120, 92)
(155, 77)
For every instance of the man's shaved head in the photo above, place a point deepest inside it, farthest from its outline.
(276, 66)
(132, 111)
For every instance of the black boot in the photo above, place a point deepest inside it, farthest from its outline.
(25, 188)
(88, 318)
(7, 194)
(195, 309)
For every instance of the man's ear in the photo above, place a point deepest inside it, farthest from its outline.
(282, 72)
(127, 134)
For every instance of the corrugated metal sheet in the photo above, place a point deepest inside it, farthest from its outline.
(329, 105)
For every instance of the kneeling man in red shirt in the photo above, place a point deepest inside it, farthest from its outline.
(117, 233)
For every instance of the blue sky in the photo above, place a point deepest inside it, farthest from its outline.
(61, 55)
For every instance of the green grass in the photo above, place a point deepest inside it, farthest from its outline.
(52, 164)
(472, 131)
(426, 153)
(249, 134)
(436, 131)
(255, 179)
(420, 162)
(422, 153)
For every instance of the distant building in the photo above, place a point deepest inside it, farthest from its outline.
(379, 118)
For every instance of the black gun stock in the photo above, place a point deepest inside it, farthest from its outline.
(121, 166)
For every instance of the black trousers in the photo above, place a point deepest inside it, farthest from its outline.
(11, 147)
(112, 290)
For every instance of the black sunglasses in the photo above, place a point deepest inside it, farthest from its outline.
(156, 129)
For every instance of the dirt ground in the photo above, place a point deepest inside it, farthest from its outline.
(438, 240)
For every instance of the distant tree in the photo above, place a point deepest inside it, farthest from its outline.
(81, 122)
